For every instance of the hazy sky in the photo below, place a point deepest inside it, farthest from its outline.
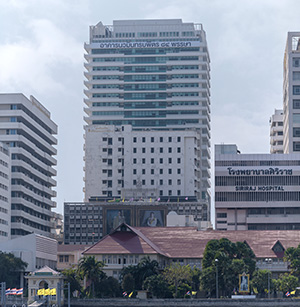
(42, 54)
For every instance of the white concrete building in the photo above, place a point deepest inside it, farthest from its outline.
(256, 191)
(276, 132)
(5, 209)
(148, 111)
(26, 127)
(291, 93)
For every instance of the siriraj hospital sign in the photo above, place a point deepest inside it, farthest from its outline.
(154, 44)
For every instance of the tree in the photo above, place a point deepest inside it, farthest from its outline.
(292, 255)
(158, 286)
(128, 283)
(71, 276)
(145, 268)
(108, 287)
(92, 270)
(233, 259)
(260, 281)
(10, 268)
(288, 282)
(178, 276)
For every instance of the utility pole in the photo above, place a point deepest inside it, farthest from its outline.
(217, 286)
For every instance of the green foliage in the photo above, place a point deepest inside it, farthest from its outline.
(292, 255)
(128, 283)
(91, 269)
(10, 268)
(260, 281)
(233, 259)
(108, 287)
(140, 272)
(178, 276)
(73, 278)
(288, 282)
(158, 286)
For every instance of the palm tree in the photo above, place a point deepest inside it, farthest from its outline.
(91, 269)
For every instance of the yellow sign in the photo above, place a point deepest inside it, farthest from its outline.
(41, 292)
(46, 292)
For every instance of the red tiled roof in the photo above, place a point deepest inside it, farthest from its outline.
(62, 248)
(187, 242)
(121, 243)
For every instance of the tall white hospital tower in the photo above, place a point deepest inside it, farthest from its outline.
(147, 132)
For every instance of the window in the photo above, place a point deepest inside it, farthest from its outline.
(61, 258)
(178, 149)
(296, 90)
(296, 75)
(170, 171)
(143, 182)
(134, 171)
(161, 150)
(134, 150)
(152, 149)
(178, 170)
(161, 171)
(152, 172)
(143, 160)
(109, 141)
(178, 181)
(296, 62)
(134, 161)
(170, 150)
(161, 193)
(170, 139)
(143, 171)
(143, 150)
(178, 192)
(170, 182)
(296, 146)
(161, 160)
(178, 160)
(170, 160)
(170, 192)
(221, 215)
(134, 140)
(152, 139)
(134, 182)
(296, 118)
(152, 182)
(152, 160)
(178, 139)
(161, 182)
(161, 139)
(296, 132)
(143, 139)
(296, 103)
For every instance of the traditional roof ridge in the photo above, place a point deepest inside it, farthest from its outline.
(46, 269)
(147, 240)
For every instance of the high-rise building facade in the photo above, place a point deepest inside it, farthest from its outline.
(276, 132)
(291, 94)
(147, 132)
(27, 129)
(5, 210)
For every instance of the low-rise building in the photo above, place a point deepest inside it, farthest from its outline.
(68, 256)
(127, 245)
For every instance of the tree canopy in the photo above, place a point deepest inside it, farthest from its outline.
(10, 268)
